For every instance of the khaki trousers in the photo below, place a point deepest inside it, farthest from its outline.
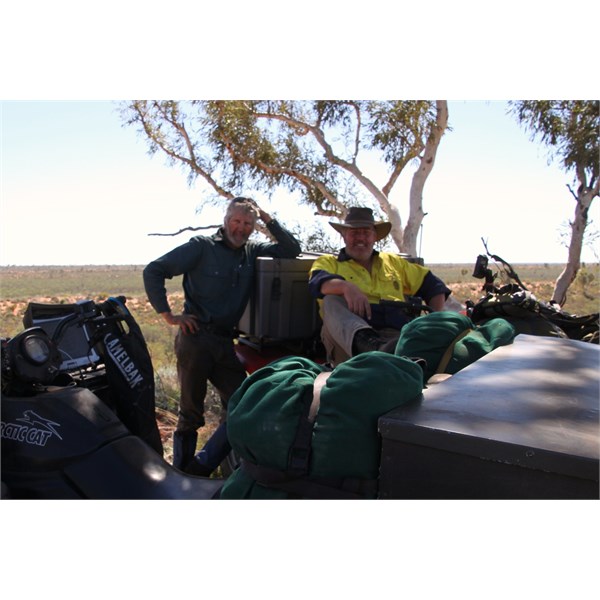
(203, 357)
(340, 325)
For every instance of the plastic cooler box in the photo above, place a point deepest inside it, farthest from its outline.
(281, 307)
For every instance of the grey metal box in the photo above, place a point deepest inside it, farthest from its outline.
(522, 422)
(281, 307)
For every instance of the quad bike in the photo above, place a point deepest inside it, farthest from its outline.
(78, 418)
(514, 302)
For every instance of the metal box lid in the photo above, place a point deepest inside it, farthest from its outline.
(300, 264)
(534, 403)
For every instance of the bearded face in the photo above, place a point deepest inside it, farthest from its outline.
(360, 242)
(238, 227)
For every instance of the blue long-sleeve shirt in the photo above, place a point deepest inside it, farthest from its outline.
(217, 279)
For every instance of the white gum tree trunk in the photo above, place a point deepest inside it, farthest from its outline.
(565, 279)
(416, 214)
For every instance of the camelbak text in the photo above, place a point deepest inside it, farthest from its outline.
(122, 360)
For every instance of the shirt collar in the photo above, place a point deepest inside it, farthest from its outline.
(219, 235)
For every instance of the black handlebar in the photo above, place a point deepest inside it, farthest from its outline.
(91, 312)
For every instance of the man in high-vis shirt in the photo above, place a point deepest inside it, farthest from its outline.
(361, 290)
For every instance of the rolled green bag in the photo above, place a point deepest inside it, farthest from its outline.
(479, 342)
(345, 440)
(262, 419)
(265, 411)
(429, 336)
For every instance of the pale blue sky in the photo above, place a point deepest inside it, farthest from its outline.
(79, 188)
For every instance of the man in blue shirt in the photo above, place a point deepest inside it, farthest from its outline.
(218, 274)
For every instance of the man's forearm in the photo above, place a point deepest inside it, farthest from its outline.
(289, 247)
(355, 298)
(154, 284)
(336, 286)
(437, 302)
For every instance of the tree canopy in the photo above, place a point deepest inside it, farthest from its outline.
(570, 129)
(320, 150)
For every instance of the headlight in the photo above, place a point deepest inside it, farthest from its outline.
(36, 349)
(30, 357)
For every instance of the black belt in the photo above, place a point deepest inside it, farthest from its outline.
(217, 330)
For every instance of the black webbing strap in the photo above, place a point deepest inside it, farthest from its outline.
(312, 488)
(295, 479)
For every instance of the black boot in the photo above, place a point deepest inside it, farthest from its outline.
(213, 453)
(195, 467)
(365, 340)
(184, 448)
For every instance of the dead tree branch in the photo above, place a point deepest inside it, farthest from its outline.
(188, 229)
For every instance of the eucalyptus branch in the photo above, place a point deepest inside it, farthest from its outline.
(307, 181)
(399, 167)
(191, 162)
(262, 229)
(319, 137)
(187, 229)
(572, 192)
(358, 128)
(180, 128)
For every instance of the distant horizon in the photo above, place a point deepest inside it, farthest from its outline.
(142, 265)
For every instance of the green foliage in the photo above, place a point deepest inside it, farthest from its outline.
(315, 238)
(400, 128)
(309, 147)
(570, 130)
(568, 127)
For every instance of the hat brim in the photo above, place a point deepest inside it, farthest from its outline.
(382, 229)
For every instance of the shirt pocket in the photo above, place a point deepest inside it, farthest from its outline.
(389, 285)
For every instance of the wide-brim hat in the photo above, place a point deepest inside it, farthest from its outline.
(358, 217)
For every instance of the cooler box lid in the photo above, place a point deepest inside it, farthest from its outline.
(300, 264)
(534, 403)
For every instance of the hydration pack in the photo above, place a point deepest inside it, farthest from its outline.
(129, 371)
(103, 349)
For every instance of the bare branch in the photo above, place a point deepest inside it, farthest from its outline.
(188, 229)
(572, 192)
(304, 179)
(358, 128)
(351, 168)
(414, 153)
(190, 161)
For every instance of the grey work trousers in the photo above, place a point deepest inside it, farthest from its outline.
(340, 325)
(203, 357)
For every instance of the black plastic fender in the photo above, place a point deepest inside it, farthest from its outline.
(66, 443)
